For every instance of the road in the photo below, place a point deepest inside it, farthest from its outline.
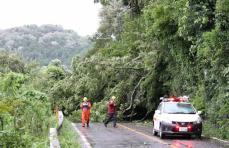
(129, 135)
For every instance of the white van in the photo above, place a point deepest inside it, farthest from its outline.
(176, 116)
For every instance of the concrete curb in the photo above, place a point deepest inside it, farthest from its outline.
(217, 139)
(53, 132)
(85, 143)
(54, 142)
(220, 140)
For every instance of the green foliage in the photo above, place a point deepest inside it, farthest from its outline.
(76, 116)
(199, 99)
(12, 82)
(11, 62)
(67, 136)
(168, 47)
(222, 14)
(217, 131)
(55, 73)
(9, 105)
(98, 111)
(26, 120)
(159, 47)
(24, 111)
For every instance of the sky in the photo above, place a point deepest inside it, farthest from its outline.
(81, 16)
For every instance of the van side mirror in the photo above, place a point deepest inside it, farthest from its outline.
(157, 112)
(199, 112)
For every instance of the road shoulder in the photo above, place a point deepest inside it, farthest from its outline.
(83, 140)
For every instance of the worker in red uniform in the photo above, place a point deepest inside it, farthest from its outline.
(111, 112)
(85, 106)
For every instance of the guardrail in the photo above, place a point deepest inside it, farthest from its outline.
(53, 132)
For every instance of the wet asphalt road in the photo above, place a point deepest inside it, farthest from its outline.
(129, 135)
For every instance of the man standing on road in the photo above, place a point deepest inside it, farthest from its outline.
(85, 106)
(111, 115)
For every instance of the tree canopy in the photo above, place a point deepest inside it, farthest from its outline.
(160, 47)
(44, 43)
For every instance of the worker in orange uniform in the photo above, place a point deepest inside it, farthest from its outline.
(85, 106)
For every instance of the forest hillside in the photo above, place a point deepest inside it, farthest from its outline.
(44, 43)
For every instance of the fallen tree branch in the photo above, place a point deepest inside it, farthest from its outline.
(148, 112)
(132, 68)
(130, 115)
(131, 99)
(111, 65)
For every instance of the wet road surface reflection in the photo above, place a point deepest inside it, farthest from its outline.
(129, 135)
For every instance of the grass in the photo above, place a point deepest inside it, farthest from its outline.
(43, 142)
(211, 131)
(68, 137)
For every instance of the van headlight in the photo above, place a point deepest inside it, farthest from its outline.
(168, 121)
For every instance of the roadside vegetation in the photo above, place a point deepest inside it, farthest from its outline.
(146, 49)
(25, 112)
(143, 50)
(67, 136)
(26, 109)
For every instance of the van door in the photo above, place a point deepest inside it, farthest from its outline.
(157, 117)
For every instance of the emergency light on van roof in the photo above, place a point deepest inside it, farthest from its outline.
(175, 99)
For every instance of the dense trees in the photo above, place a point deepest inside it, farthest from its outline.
(164, 47)
(44, 43)
(143, 50)
(25, 112)
(11, 62)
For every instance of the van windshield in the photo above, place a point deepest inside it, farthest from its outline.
(178, 108)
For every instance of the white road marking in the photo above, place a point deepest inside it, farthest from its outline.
(86, 144)
(177, 144)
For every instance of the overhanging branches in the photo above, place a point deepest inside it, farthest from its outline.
(132, 94)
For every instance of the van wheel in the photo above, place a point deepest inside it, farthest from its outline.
(154, 132)
(198, 135)
(189, 136)
(161, 134)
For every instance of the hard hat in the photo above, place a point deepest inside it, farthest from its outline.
(85, 99)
